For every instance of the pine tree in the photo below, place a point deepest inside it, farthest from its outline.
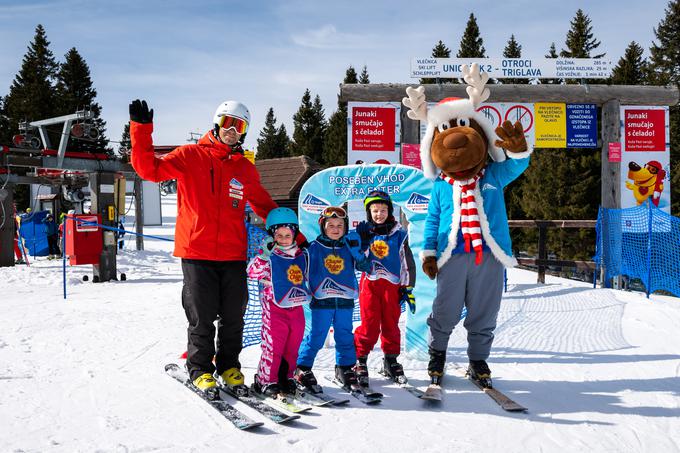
(266, 144)
(125, 142)
(513, 50)
(631, 68)
(665, 70)
(335, 145)
(552, 53)
(31, 96)
(363, 78)
(351, 75)
(472, 44)
(282, 141)
(438, 51)
(335, 142)
(309, 128)
(75, 92)
(580, 42)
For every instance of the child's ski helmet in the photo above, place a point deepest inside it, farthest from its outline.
(329, 213)
(378, 196)
(282, 217)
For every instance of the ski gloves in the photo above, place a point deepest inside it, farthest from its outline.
(407, 297)
(364, 231)
(140, 113)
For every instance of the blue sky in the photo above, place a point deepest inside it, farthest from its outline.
(185, 59)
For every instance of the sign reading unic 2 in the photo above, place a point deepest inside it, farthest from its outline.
(516, 68)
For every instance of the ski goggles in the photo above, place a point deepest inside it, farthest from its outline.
(239, 125)
(334, 211)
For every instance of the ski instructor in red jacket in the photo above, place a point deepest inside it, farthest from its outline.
(214, 182)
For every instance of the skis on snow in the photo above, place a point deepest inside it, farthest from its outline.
(413, 390)
(364, 394)
(247, 397)
(504, 401)
(239, 420)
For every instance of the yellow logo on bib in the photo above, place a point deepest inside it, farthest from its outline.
(380, 249)
(295, 274)
(334, 264)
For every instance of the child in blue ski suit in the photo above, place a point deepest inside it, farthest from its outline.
(332, 260)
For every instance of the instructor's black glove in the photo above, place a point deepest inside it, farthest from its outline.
(140, 113)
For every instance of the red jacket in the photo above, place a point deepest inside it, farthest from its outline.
(213, 185)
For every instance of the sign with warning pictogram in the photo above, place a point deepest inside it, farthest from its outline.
(498, 112)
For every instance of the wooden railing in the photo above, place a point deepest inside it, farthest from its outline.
(542, 261)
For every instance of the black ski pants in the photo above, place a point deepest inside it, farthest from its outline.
(214, 291)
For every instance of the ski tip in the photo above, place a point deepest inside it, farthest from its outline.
(250, 426)
(171, 366)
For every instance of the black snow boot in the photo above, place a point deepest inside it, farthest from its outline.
(271, 390)
(288, 386)
(479, 371)
(393, 369)
(361, 371)
(435, 368)
(305, 380)
(346, 376)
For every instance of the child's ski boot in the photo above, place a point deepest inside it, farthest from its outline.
(288, 386)
(393, 369)
(346, 376)
(306, 381)
(479, 371)
(361, 371)
(272, 390)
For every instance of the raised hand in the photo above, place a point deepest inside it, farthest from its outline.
(511, 137)
(140, 113)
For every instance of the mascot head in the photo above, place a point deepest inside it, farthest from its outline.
(459, 139)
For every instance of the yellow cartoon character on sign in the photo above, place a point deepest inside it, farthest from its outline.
(647, 181)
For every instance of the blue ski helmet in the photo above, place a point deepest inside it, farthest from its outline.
(281, 217)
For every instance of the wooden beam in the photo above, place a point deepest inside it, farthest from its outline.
(583, 265)
(552, 223)
(610, 188)
(571, 94)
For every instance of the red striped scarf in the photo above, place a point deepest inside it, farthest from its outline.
(469, 216)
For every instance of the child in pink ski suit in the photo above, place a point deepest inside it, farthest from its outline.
(280, 270)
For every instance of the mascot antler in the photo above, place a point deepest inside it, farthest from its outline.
(476, 82)
(416, 102)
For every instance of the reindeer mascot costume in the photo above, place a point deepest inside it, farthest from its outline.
(467, 240)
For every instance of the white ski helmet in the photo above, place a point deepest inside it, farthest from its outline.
(231, 108)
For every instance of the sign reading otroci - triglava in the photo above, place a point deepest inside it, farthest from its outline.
(518, 68)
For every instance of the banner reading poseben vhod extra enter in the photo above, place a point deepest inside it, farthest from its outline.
(409, 189)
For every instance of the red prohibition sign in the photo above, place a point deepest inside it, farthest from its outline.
(492, 114)
(523, 115)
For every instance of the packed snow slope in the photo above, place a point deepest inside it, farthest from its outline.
(598, 369)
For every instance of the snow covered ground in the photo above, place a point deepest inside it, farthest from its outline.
(598, 369)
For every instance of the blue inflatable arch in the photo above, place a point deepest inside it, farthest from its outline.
(410, 190)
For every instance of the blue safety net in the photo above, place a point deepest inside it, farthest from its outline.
(642, 243)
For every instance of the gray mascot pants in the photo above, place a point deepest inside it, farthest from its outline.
(479, 289)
